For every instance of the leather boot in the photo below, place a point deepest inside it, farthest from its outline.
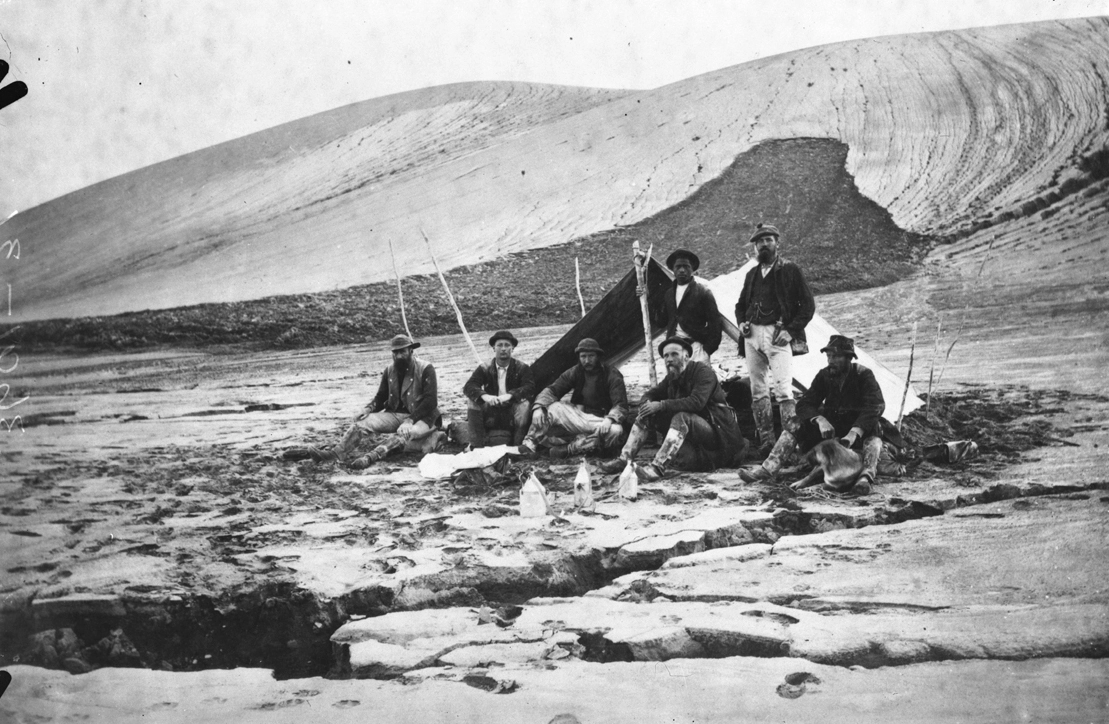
(389, 445)
(635, 441)
(475, 423)
(782, 449)
(872, 451)
(788, 411)
(657, 468)
(763, 412)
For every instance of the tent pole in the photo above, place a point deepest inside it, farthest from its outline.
(642, 261)
(577, 283)
(908, 378)
(400, 292)
(450, 298)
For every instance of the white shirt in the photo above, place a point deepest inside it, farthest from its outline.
(502, 378)
(679, 292)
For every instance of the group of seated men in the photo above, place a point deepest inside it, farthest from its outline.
(697, 429)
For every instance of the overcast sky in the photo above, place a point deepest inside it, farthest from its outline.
(119, 84)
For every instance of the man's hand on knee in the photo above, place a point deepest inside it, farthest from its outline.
(827, 431)
(405, 430)
(604, 428)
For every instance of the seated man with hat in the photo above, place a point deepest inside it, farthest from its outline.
(844, 401)
(499, 396)
(406, 405)
(691, 307)
(702, 432)
(592, 421)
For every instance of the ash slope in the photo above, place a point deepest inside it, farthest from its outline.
(947, 131)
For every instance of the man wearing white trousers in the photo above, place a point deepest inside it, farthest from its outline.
(772, 312)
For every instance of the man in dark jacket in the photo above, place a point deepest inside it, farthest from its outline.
(690, 407)
(499, 396)
(592, 421)
(772, 311)
(404, 414)
(690, 307)
(844, 401)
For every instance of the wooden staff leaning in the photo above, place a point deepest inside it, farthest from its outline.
(642, 260)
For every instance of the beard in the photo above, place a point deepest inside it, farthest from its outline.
(673, 369)
(401, 367)
(765, 256)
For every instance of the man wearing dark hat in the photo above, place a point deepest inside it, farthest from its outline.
(844, 401)
(404, 413)
(500, 395)
(594, 418)
(690, 407)
(772, 311)
(690, 307)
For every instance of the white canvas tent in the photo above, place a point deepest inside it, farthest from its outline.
(727, 288)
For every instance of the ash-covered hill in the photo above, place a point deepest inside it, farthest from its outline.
(952, 133)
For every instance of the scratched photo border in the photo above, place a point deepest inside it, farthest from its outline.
(14, 90)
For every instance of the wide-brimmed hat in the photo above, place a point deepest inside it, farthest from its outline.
(676, 340)
(679, 253)
(503, 334)
(588, 344)
(838, 344)
(403, 341)
(765, 230)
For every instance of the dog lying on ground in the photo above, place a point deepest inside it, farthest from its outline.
(836, 465)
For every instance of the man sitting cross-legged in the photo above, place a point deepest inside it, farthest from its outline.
(690, 407)
(592, 421)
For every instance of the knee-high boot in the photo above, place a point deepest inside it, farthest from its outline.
(636, 438)
(782, 449)
(763, 413)
(388, 446)
(669, 448)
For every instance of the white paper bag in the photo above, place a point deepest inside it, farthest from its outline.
(533, 499)
(628, 487)
(583, 488)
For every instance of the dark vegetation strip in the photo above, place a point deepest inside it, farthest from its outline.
(842, 240)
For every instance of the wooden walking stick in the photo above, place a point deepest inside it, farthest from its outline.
(642, 260)
(450, 298)
(400, 292)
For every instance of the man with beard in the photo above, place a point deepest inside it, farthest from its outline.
(500, 396)
(592, 421)
(689, 405)
(403, 415)
(844, 401)
(772, 311)
(690, 307)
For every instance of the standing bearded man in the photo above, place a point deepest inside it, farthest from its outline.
(690, 407)
(772, 312)
(691, 307)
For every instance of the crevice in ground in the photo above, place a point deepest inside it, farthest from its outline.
(280, 625)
